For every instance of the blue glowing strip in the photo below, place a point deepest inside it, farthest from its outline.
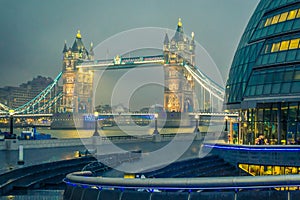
(271, 149)
(122, 188)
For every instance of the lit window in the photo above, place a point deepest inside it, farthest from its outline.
(298, 14)
(275, 47)
(294, 44)
(275, 19)
(292, 14)
(268, 21)
(283, 17)
(297, 75)
(284, 45)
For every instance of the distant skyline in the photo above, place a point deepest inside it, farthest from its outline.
(33, 32)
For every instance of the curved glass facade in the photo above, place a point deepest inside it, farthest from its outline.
(264, 79)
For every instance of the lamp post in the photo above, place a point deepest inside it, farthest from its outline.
(96, 114)
(197, 124)
(155, 132)
(226, 121)
(11, 118)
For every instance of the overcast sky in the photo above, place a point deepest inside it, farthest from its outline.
(33, 31)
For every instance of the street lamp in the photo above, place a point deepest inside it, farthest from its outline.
(226, 126)
(96, 114)
(155, 132)
(11, 117)
(197, 124)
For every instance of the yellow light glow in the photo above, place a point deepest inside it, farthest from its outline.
(275, 19)
(78, 34)
(283, 17)
(294, 44)
(179, 22)
(284, 45)
(292, 14)
(268, 21)
(275, 47)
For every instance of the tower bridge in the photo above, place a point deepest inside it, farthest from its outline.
(177, 60)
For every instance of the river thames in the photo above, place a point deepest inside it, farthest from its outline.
(114, 131)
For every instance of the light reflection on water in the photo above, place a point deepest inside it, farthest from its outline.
(112, 131)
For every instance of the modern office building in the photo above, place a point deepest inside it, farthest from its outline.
(264, 79)
(18, 96)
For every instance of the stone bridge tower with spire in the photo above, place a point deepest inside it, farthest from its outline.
(179, 94)
(77, 83)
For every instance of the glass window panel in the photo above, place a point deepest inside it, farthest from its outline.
(288, 26)
(297, 76)
(291, 55)
(253, 80)
(271, 30)
(284, 45)
(281, 57)
(246, 93)
(278, 76)
(293, 111)
(268, 21)
(292, 14)
(298, 14)
(269, 78)
(283, 17)
(275, 47)
(259, 60)
(298, 54)
(285, 88)
(267, 48)
(279, 28)
(267, 89)
(264, 32)
(294, 44)
(252, 90)
(296, 24)
(273, 58)
(275, 88)
(295, 87)
(265, 59)
(288, 76)
(275, 19)
(259, 89)
(261, 78)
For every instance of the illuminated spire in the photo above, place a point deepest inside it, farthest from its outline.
(92, 51)
(65, 47)
(179, 22)
(166, 41)
(78, 35)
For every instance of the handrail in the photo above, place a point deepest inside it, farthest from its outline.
(210, 183)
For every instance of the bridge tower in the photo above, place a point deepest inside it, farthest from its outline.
(77, 83)
(179, 94)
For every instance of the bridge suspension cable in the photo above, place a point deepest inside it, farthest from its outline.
(41, 96)
(29, 107)
(209, 85)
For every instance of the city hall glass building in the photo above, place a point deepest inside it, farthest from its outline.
(264, 79)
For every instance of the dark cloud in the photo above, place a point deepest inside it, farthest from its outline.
(33, 31)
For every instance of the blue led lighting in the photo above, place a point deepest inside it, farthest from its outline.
(244, 148)
(173, 189)
(152, 189)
